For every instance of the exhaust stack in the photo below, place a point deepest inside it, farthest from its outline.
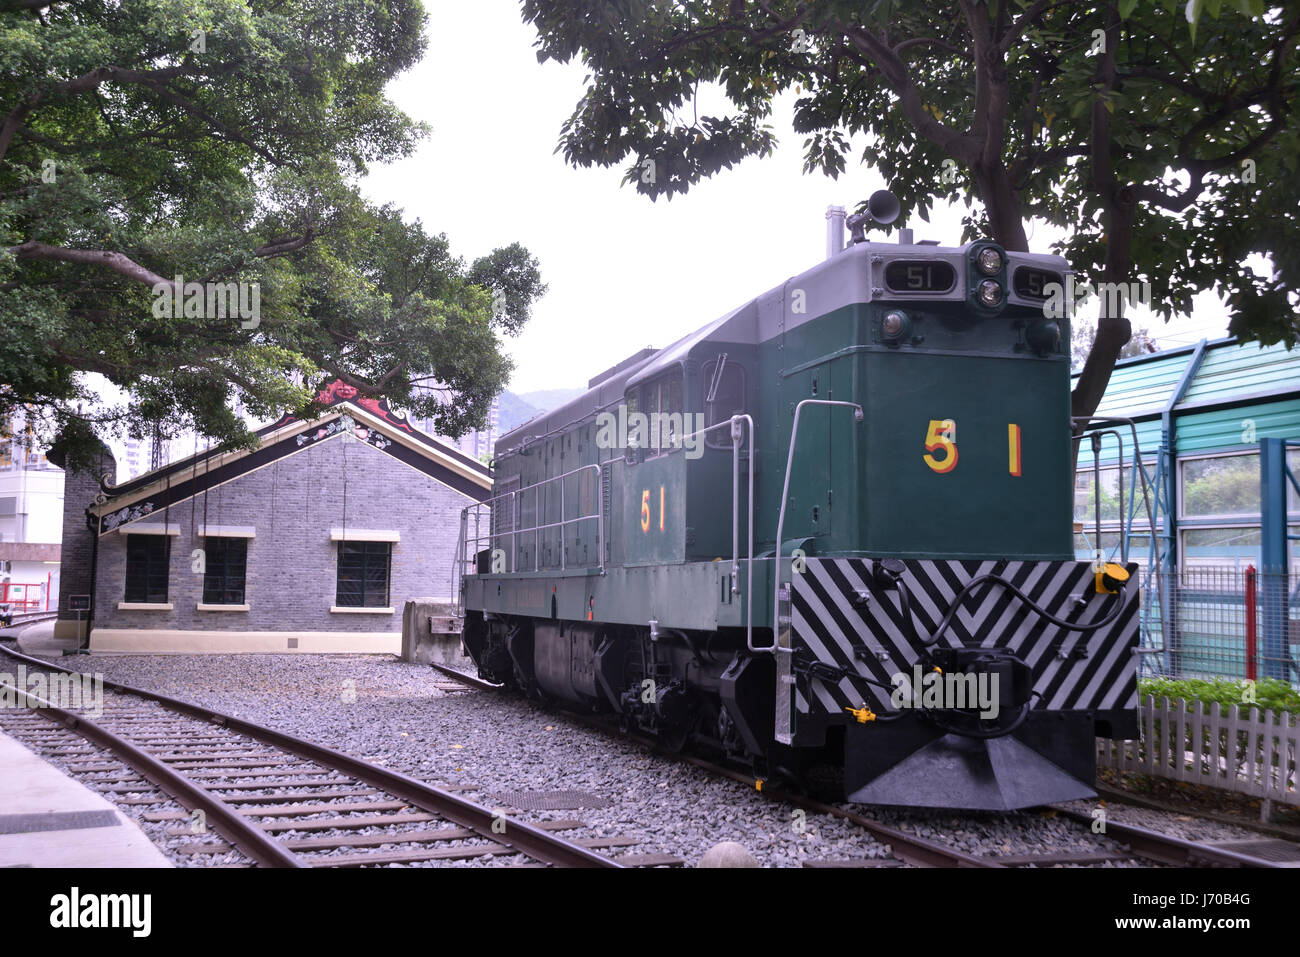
(834, 230)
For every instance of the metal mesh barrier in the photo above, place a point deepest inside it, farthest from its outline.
(1226, 622)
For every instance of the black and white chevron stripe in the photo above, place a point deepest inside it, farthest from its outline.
(828, 623)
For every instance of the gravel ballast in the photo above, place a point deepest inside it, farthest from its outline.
(393, 713)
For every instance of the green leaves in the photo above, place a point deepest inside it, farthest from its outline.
(1270, 693)
(1179, 106)
(219, 141)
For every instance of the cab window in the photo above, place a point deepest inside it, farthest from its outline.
(724, 396)
(667, 431)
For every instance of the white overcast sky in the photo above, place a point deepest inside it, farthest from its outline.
(624, 273)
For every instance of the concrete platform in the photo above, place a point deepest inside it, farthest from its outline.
(38, 639)
(48, 819)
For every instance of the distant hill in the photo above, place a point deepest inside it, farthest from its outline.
(548, 399)
(513, 411)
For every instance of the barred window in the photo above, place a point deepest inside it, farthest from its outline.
(225, 563)
(363, 573)
(147, 558)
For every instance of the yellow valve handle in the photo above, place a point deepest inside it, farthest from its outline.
(863, 714)
(1111, 578)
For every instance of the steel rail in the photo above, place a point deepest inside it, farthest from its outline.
(225, 820)
(471, 680)
(31, 617)
(1167, 849)
(524, 838)
(908, 848)
(917, 851)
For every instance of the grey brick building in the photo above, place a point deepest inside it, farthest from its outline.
(313, 542)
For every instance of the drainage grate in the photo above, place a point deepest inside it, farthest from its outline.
(56, 821)
(550, 800)
(1268, 849)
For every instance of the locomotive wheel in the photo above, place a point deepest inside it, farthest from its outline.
(674, 739)
(824, 782)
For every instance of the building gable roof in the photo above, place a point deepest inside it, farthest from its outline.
(369, 420)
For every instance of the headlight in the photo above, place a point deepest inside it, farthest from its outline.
(989, 261)
(894, 324)
(990, 293)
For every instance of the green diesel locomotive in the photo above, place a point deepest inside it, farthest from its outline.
(897, 419)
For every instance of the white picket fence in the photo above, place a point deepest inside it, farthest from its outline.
(1251, 753)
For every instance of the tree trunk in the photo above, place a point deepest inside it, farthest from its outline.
(1113, 329)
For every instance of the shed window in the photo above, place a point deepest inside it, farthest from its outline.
(363, 573)
(1219, 508)
(147, 558)
(225, 561)
(1224, 485)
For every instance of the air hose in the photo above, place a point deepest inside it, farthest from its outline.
(970, 586)
(905, 606)
(985, 734)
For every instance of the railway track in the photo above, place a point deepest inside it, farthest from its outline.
(1151, 847)
(280, 800)
(22, 619)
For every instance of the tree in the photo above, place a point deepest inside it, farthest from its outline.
(1082, 336)
(152, 149)
(1165, 141)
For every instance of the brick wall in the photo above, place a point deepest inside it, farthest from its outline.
(79, 491)
(291, 574)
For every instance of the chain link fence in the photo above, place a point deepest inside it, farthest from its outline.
(1223, 622)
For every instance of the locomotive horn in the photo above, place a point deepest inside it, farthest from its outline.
(882, 209)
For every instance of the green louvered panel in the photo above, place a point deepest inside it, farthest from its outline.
(1231, 372)
(1225, 428)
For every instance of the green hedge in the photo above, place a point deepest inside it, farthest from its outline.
(1270, 693)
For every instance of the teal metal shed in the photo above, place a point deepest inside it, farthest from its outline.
(1199, 413)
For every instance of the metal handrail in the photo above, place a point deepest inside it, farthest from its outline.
(469, 544)
(742, 431)
(1084, 423)
(776, 645)
(1154, 568)
(1098, 436)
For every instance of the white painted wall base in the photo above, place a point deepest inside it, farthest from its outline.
(64, 628)
(149, 641)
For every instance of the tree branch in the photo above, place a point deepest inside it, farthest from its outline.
(929, 41)
(896, 74)
(96, 77)
(27, 4)
(1022, 23)
(106, 259)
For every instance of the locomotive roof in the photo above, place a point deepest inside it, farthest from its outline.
(607, 393)
(680, 349)
(842, 279)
